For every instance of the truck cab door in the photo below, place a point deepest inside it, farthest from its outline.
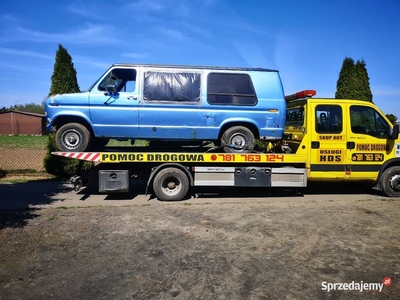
(328, 143)
(368, 134)
(114, 104)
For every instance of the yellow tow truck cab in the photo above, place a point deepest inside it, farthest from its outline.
(324, 140)
(343, 139)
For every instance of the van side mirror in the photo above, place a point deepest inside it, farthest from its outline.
(395, 132)
(111, 89)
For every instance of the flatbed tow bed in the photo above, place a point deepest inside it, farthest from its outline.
(171, 174)
(327, 140)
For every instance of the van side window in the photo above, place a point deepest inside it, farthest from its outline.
(366, 120)
(173, 87)
(230, 89)
(123, 79)
(328, 119)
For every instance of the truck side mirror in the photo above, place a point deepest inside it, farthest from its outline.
(395, 132)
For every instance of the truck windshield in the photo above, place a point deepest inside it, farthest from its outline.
(295, 116)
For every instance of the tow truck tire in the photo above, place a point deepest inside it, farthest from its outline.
(72, 137)
(391, 181)
(171, 184)
(238, 136)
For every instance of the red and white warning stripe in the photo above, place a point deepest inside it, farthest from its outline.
(89, 156)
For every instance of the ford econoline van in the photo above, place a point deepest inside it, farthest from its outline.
(228, 106)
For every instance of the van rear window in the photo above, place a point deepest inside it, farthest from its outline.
(163, 86)
(230, 89)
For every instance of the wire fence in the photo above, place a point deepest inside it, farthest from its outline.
(27, 152)
(22, 152)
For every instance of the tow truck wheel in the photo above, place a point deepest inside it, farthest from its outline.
(72, 137)
(171, 184)
(391, 182)
(238, 139)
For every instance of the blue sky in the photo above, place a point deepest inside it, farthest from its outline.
(305, 40)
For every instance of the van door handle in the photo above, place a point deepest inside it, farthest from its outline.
(132, 98)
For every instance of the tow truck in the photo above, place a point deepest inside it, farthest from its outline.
(324, 140)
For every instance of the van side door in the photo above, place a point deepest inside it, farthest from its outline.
(114, 103)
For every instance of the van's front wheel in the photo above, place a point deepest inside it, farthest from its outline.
(238, 139)
(72, 137)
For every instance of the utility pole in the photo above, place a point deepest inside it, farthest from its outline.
(12, 119)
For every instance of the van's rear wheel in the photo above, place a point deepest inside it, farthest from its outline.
(72, 137)
(171, 184)
(238, 139)
(391, 181)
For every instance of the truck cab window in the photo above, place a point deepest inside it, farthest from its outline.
(328, 119)
(366, 120)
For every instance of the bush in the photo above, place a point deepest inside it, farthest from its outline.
(262, 145)
(62, 167)
(3, 173)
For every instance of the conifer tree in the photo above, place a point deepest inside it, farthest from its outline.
(345, 82)
(353, 81)
(362, 90)
(63, 79)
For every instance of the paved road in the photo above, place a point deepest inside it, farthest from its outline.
(42, 193)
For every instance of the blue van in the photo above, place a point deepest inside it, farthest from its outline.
(228, 106)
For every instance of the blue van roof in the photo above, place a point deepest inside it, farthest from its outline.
(192, 67)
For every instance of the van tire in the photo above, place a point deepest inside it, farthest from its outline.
(391, 181)
(239, 136)
(171, 184)
(72, 137)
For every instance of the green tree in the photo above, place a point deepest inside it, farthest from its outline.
(392, 118)
(63, 81)
(363, 89)
(353, 81)
(345, 81)
(31, 107)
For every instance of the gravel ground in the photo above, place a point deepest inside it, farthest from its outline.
(242, 249)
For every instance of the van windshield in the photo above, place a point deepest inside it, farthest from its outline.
(94, 83)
